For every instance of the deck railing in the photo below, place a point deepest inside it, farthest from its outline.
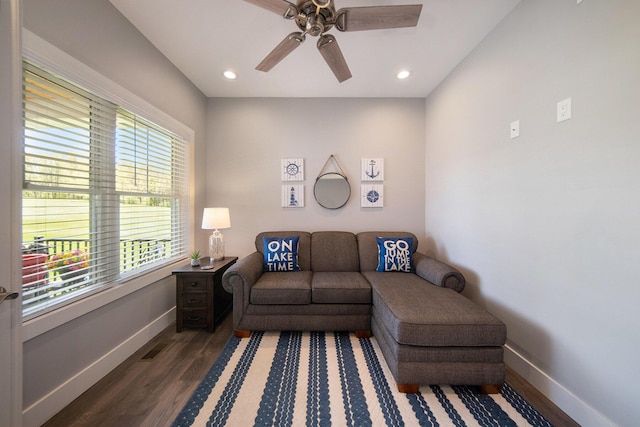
(40, 284)
(135, 250)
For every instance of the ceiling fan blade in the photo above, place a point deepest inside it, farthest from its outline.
(285, 47)
(377, 17)
(328, 47)
(281, 7)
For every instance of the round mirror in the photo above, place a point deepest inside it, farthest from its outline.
(332, 190)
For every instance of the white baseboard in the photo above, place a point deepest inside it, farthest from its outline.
(571, 404)
(39, 412)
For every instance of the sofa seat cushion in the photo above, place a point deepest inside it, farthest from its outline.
(340, 288)
(292, 287)
(416, 312)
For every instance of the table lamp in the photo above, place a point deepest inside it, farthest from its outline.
(214, 219)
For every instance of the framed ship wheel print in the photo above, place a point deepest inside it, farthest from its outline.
(292, 170)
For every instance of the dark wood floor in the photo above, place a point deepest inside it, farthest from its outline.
(151, 387)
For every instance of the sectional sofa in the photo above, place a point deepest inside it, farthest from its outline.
(371, 282)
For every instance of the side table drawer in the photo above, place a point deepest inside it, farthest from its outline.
(192, 284)
(194, 300)
(194, 317)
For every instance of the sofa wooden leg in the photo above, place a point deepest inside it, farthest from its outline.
(408, 388)
(491, 388)
(363, 334)
(243, 334)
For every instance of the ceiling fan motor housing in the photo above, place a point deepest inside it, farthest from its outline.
(314, 23)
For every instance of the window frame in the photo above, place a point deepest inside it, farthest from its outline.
(42, 53)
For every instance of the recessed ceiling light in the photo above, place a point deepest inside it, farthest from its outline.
(403, 74)
(230, 75)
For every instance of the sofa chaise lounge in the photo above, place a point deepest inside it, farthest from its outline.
(371, 282)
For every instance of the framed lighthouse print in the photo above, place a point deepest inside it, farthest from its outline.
(292, 196)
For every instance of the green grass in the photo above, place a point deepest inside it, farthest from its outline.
(67, 218)
(64, 218)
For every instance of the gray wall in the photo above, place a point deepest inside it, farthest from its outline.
(95, 33)
(546, 226)
(62, 353)
(247, 138)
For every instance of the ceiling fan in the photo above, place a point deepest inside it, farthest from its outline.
(316, 17)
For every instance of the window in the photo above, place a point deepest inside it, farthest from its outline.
(105, 193)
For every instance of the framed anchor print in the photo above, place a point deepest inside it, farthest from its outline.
(293, 196)
(372, 196)
(372, 170)
(292, 169)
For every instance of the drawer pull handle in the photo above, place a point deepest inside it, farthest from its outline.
(193, 318)
(194, 300)
(194, 284)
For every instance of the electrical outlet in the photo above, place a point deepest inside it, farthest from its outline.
(515, 129)
(564, 110)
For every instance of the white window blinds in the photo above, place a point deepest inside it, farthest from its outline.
(150, 182)
(105, 193)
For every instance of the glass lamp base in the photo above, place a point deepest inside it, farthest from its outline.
(216, 246)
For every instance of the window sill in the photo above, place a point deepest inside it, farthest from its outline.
(49, 321)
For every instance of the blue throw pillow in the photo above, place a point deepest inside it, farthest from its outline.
(281, 253)
(394, 254)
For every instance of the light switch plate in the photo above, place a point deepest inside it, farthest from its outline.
(515, 129)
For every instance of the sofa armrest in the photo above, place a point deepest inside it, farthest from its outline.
(438, 273)
(244, 273)
(238, 280)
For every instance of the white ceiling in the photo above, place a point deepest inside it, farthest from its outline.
(203, 38)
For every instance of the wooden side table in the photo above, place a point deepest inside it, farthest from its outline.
(201, 301)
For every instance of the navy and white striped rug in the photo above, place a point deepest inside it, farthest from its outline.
(333, 379)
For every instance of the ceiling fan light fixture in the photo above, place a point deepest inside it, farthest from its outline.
(230, 75)
(315, 25)
(403, 74)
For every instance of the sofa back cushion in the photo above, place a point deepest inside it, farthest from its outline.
(334, 251)
(304, 245)
(368, 246)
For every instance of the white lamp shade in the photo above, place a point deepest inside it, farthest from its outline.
(216, 218)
